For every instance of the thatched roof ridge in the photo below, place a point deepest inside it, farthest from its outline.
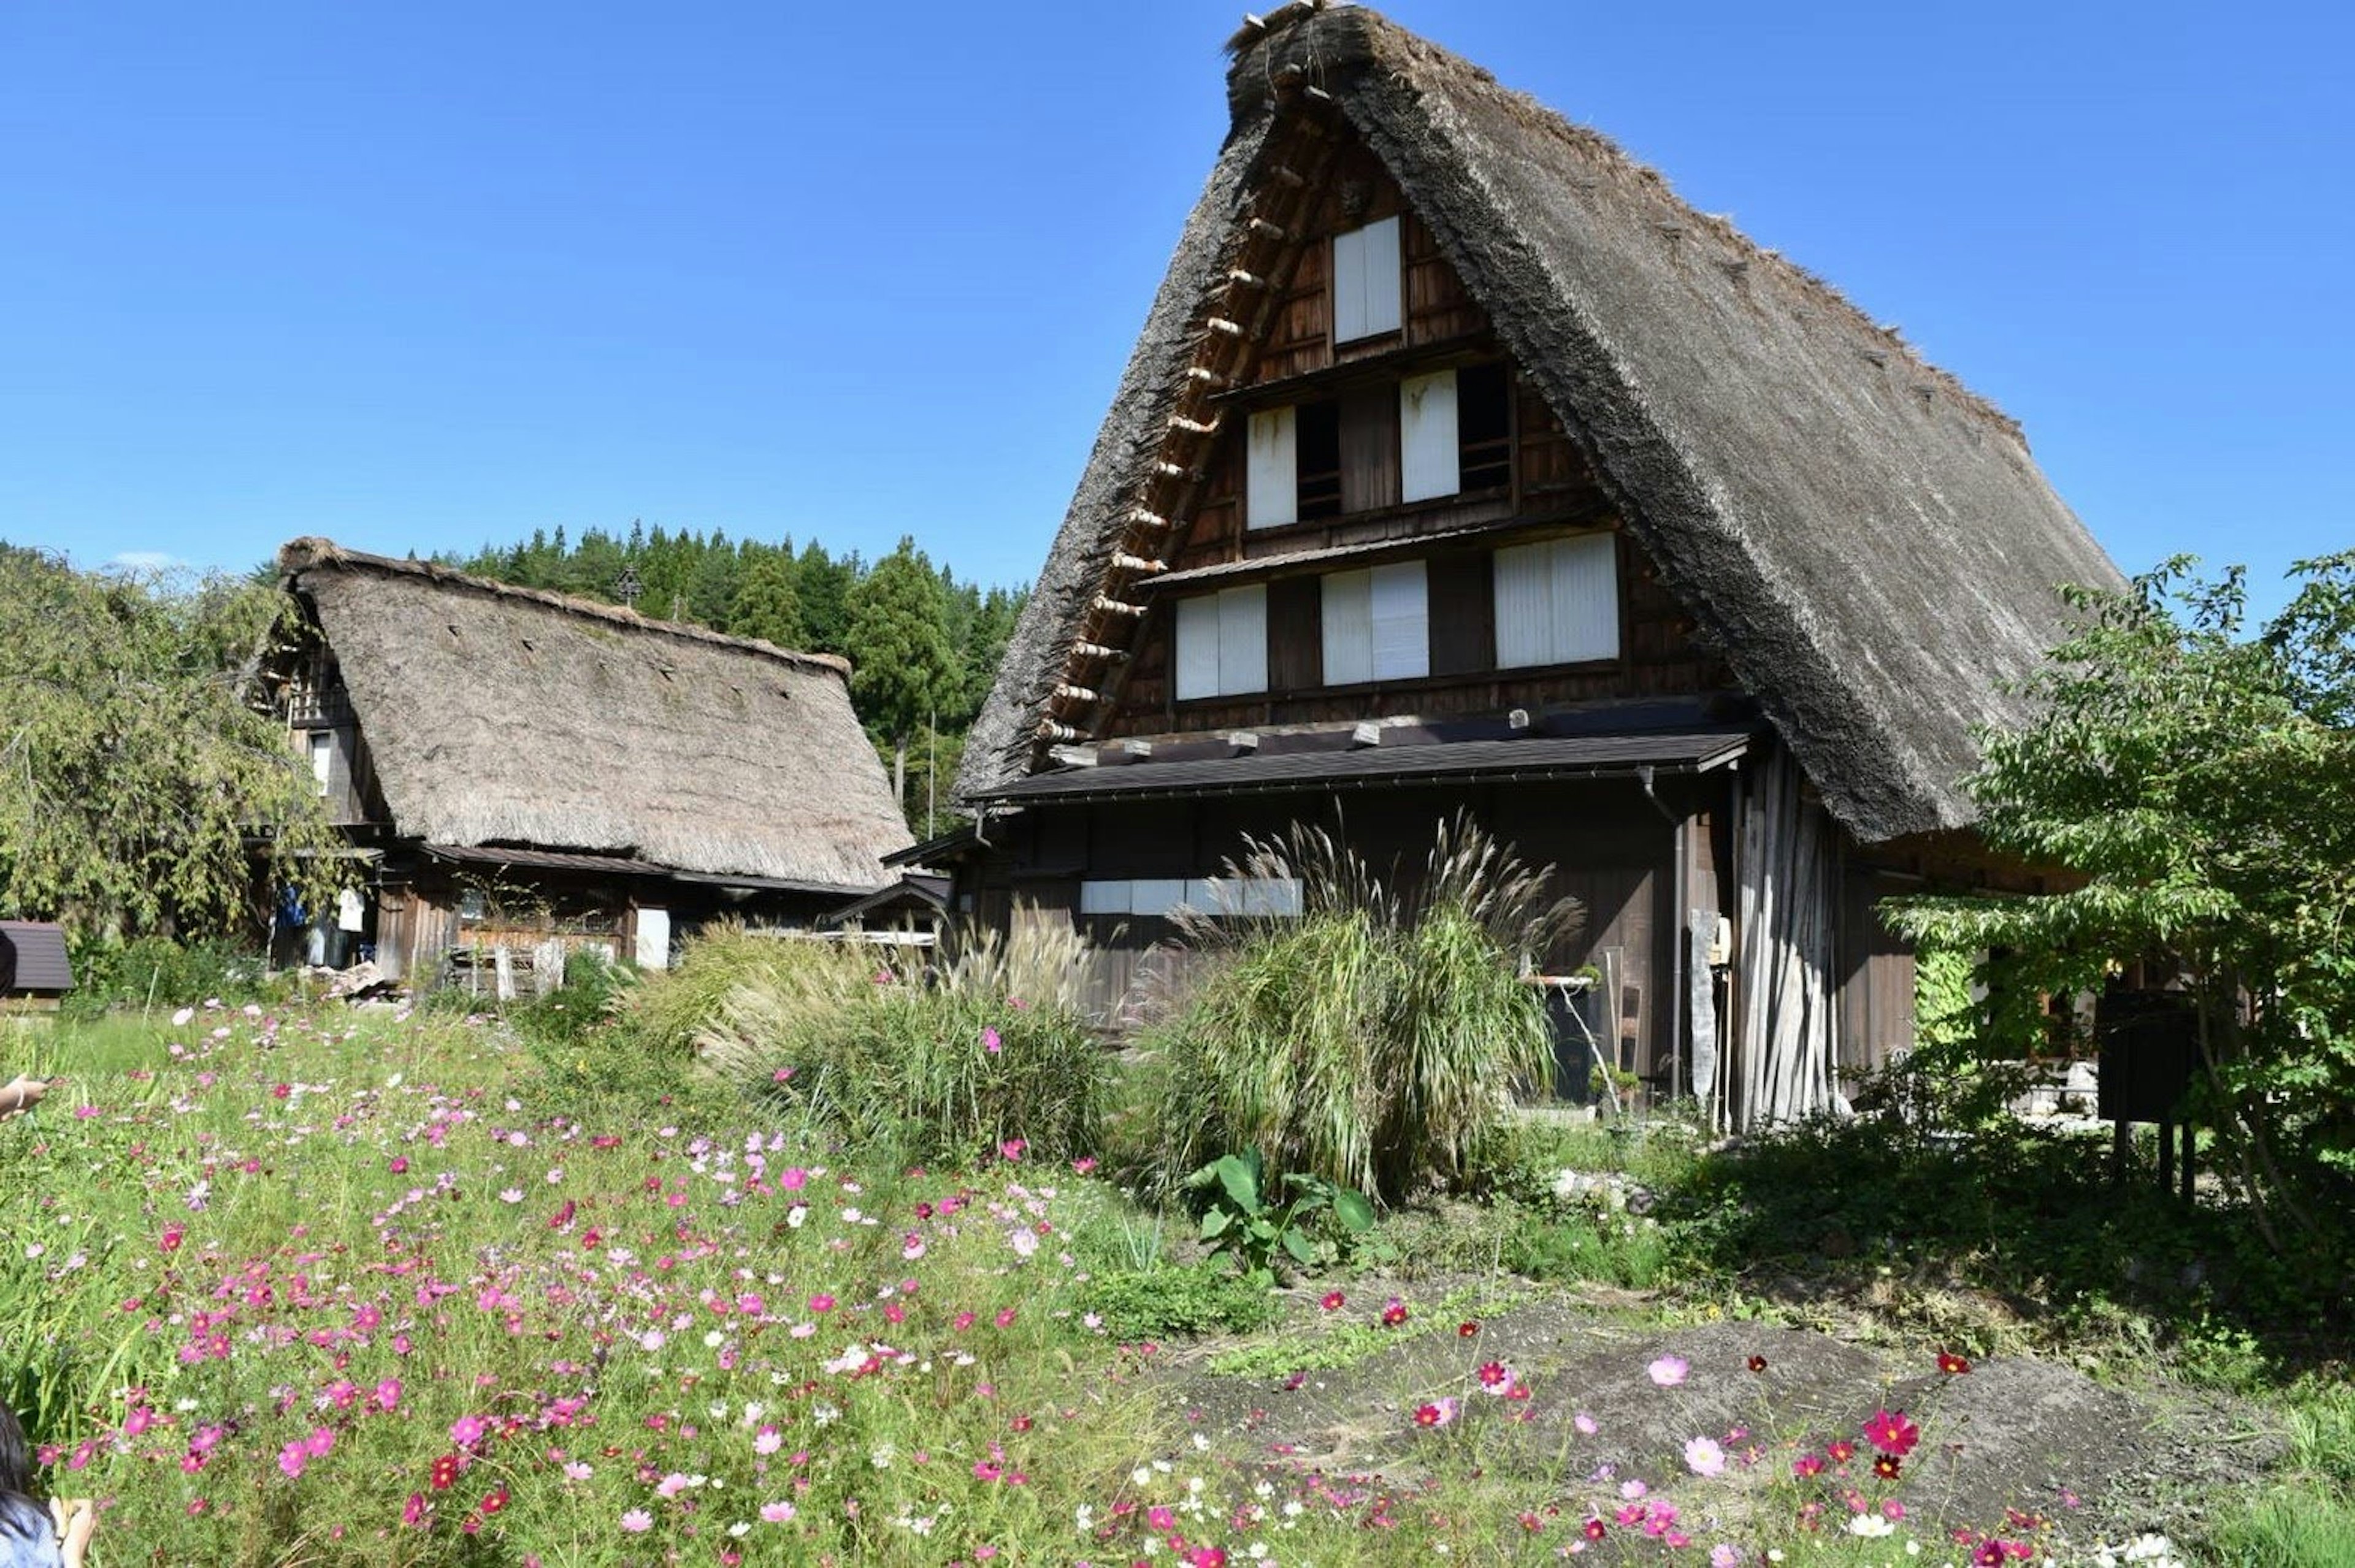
(310, 552)
(496, 715)
(1869, 544)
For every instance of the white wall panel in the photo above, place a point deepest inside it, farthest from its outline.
(1271, 472)
(1586, 593)
(1427, 445)
(1198, 647)
(1524, 605)
(1242, 639)
(1401, 605)
(1348, 625)
(1365, 294)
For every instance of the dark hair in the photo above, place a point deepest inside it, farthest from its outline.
(15, 1457)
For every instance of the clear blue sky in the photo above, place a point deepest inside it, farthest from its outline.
(426, 275)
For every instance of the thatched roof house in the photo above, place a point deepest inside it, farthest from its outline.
(1867, 542)
(1461, 465)
(484, 725)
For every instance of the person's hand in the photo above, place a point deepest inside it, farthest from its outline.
(21, 1093)
(76, 1520)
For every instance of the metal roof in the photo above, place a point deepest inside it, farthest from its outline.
(1373, 767)
(33, 959)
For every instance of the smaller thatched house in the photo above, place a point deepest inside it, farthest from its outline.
(35, 974)
(523, 774)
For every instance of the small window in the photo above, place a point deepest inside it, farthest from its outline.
(1365, 294)
(1222, 643)
(1558, 602)
(1484, 428)
(1376, 625)
(323, 761)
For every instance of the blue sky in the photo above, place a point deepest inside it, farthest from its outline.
(429, 275)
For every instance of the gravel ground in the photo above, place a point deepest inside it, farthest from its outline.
(2014, 1433)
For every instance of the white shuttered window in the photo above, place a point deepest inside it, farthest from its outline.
(1558, 602)
(1366, 282)
(1376, 625)
(1277, 896)
(1222, 643)
(1272, 476)
(1427, 445)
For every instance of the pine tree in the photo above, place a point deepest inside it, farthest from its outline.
(904, 666)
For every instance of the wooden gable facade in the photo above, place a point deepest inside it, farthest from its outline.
(1389, 524)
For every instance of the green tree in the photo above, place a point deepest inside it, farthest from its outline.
(767, 605)
(2201, 785)
(825, 585)
(133, 773)
(904, 666)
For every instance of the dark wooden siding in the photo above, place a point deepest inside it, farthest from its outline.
(1875, 972)
(1605, 845)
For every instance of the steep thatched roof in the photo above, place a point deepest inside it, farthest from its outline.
(1869, 543)
(503, 715)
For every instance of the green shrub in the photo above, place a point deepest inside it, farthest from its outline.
(159, 973)
(1377, 1041)
(1183, 1303)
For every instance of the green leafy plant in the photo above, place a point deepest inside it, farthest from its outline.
(2199, 783)
(1247, 1219)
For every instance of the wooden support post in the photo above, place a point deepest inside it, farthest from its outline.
(2166, 1156)
(2187, 1159)
(2121, 1140)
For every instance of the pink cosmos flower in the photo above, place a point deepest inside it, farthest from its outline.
(777, 1513)
(292, 1459)
(320, 1444)
(1703, 1458)
(1889, 1432)
(1669, 1370)
(990, 1042)
(467, 1431)
(413, 1511)
(1586, 1423)
(387, 1394)
(637, 1522)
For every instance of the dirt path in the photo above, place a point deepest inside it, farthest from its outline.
(2011, 1433)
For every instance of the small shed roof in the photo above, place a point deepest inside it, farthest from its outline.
(33, 960)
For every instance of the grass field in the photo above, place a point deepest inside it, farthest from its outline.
(333, 1287)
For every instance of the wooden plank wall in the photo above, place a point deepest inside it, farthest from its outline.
(1876, 977)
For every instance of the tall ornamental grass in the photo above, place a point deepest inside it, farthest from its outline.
(1378, 1039)
(938, 1067)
